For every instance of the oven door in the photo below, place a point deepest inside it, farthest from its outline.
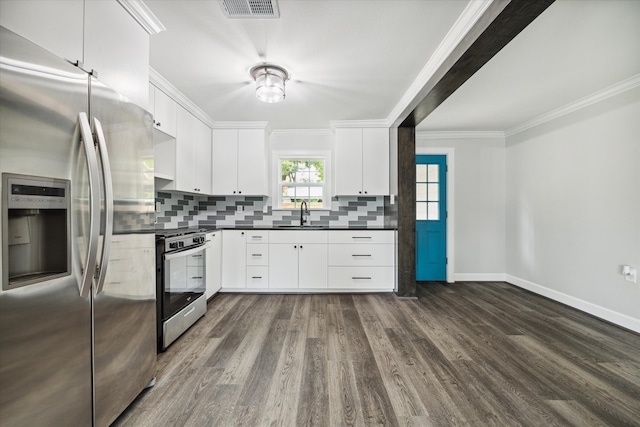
(184, 279)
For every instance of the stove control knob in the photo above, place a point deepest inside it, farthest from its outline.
(181, 244)
(173, 245)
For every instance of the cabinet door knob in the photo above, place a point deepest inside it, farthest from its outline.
(158, 124)
(365, 192)
(295, 247)
(239, 192)
(359, 192)
(300, 246)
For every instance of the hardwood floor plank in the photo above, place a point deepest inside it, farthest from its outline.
(337, 347)
(345, 408)
(313, 406)
(466, 354)
(587, 387)
(403, 396)
(237, 366)
(574, 413)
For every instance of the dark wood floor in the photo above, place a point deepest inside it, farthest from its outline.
(464, 354)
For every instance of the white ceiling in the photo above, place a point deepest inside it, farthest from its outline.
(348, 59)
(572, 50)
(355, 59)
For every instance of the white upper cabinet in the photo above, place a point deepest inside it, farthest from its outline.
(117, 47)
(189, 157)
(99, 34)
(55, 25)
(362, 161)
(239, 162)
(164, 110)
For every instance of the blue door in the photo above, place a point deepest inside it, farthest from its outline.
(431, 217)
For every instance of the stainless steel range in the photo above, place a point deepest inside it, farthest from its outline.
(180, 278)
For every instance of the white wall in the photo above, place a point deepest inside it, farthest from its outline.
(573, 208)
(479, 216)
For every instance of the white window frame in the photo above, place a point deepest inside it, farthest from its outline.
(276, 159)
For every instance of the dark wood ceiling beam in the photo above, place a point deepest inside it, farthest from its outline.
(500, 24)
(509, 22)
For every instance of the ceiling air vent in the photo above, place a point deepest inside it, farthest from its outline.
(252, 9)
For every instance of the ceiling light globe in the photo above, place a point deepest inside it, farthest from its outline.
(270, 82)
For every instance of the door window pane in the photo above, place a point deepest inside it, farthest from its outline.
(421, 192)
(421, 173)
(432, 174)
(433, 192)
(421, 211)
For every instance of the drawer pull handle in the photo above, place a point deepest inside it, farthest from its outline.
(256, 254)
(360, 237)
(359, 255)
(361, 278)
(256, 277)
(197, 256)
(256, 237)
(189, 312)
(196, 277)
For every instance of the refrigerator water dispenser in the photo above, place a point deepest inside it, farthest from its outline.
(36, 224)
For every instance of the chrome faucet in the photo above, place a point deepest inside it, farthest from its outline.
(304, 212)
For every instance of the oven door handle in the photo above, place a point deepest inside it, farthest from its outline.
(173, 255)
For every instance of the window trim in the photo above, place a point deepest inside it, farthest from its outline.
(278, 155)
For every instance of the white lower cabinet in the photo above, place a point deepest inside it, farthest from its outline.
(213, 273)
(234, 261)
(298, 260)
(308, 260)
(361, 260)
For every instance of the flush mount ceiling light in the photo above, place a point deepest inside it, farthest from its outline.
(269, 82)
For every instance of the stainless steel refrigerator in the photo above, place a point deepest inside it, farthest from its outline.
(77, 304)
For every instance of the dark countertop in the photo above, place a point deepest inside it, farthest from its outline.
(297, 228)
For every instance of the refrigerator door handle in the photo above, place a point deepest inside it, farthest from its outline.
(94, 205)
(108, 214)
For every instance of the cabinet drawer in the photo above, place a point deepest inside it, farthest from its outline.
(257, 277)
(361, 254)
(361, 236)
(361, 278)
(258, 236)
(258, 254)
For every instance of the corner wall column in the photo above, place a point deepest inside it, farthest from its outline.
(406, 212)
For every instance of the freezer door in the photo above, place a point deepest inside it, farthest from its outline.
(125, 304)
(45, 328)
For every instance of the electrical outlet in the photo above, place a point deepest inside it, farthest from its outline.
(240, 208)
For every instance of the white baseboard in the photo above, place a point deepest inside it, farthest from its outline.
(479, 277)
(593, 309)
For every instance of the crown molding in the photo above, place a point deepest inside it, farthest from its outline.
(381, 123)
(164, 85)
(601, 95)
(459, 135)
(465, 22)
(143, 16)
(242, 125)
(313, 132)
